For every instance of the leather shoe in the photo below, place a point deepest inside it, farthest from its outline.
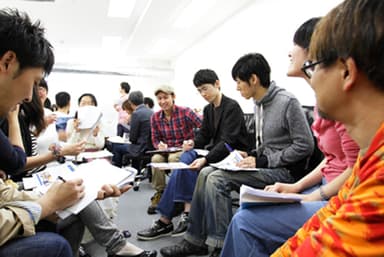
(184, 248)
(143, 254)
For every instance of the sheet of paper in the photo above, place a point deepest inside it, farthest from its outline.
(95, 155)
(168, 150)
(229, 163)
(169, 165)
(252, 195)
(88, 117)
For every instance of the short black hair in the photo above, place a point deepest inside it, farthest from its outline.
(304, 33)
(125, 86)
(205, 76)
(148, 101)
(252, 63)
(43, 84)
(89, 95)
(26, 39)
(62, 99)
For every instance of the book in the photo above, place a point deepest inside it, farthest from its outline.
(253, 196)
(229, 163)
(169, 165)
(95, 174)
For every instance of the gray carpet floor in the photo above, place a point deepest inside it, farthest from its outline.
(132, 215)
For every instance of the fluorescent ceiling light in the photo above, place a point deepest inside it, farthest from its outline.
(193, 12)
(120, 8)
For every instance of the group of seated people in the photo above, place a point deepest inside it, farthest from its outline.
(341, 212)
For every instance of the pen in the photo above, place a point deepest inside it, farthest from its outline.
(229, 148)
(62, 179)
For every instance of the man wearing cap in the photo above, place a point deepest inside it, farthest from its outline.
(139, 135)
(169, 127)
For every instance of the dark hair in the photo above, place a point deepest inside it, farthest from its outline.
(355, 29)
(18, 34)
(43, 84)
(125, 86)
(136, 97)
(62, 99)
(47, 103)
(148, 101)
(253, 63)
(205, 76)
(89, 95)
(33, 113)
(304, 33)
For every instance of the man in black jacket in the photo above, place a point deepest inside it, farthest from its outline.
(223, 122)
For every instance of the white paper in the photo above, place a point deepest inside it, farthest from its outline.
(95, 155)
(88, 116)
(229, 163)
(252, 195)
(169, 165)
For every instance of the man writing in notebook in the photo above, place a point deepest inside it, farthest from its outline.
(223, 123)
(169, 128)
(283, 144)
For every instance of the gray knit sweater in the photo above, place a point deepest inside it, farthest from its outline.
(285, 136)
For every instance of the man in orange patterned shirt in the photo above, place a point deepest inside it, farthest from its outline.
(347, 60)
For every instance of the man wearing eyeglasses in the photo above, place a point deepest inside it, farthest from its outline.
(348, 80)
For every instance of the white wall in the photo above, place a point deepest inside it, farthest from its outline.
(267, 27)
(104, 87)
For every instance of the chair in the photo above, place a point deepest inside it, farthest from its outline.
(140, 164)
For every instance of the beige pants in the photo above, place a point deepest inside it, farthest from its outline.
(158, 176)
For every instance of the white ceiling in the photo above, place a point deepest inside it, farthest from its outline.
(76, 29)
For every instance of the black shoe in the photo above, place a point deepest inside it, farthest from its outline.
(151, 210)
(82, 252)
(216, 252)
(143, 254)
(157, 230)
(182, 225)
(184, 248)
(155, 199)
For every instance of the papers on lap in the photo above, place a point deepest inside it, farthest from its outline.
(169, 165)
(253, 196)
(229, 163)
(95, 174)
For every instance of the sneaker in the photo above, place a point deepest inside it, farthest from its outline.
(82, 252)
(184, 248)
(143, 254)
(155, 199)
(182, 225)
(157, 230)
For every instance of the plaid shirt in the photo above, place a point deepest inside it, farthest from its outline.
(177, 129)
(352, 223)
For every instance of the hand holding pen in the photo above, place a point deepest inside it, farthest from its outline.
(162, 146)
(188, 145)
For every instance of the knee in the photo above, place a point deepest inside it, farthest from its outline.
(157, 158)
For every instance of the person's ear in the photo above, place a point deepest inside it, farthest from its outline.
(8, 58)
(350, 74)
(253, 80)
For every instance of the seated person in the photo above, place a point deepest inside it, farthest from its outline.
(169, 128)
(94, 141)
(284, 142)
(262, 229)
(345, 68)
(230, 128)
(140, 133)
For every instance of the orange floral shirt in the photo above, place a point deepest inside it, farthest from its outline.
(352, 223)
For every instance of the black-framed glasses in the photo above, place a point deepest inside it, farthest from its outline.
(309, 67)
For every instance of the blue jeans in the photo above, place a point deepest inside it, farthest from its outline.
(211, 208)
(260, 230)
(41, 244)
(180, 186)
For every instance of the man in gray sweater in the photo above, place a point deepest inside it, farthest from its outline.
(283, 145)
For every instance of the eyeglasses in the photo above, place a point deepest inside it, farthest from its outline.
(309, 67)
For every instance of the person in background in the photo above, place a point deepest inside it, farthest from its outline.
(283, 146)
(123, 117)
(223, 122)
(345, 64)
(170, 127)
(260, 230)
(149, 102)
(63, 103)
(93, 141)
(43, 94)
(140, 133)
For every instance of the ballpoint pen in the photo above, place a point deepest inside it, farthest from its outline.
(62, 179)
